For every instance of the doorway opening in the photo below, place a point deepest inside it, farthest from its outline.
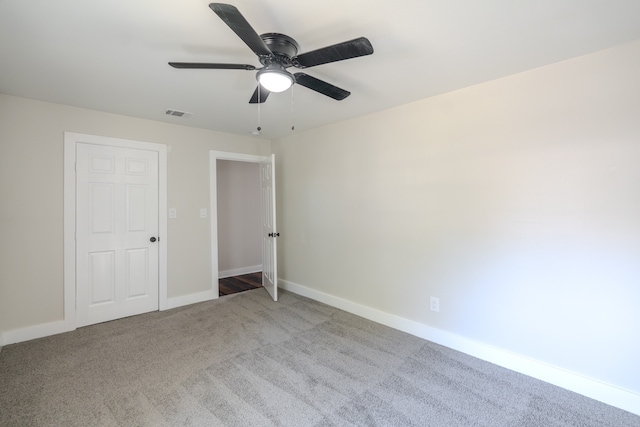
(239, 226)
(268, 233)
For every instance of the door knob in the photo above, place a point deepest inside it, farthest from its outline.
(153, 239)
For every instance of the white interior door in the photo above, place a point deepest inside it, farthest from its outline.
(269, 234)
(116, 233)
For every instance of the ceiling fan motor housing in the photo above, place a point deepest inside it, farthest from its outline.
(283, 47)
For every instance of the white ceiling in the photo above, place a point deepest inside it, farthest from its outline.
(112, 55)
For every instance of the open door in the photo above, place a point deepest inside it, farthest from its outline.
(269, 234)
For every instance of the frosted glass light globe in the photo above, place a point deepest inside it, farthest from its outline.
(275, 80)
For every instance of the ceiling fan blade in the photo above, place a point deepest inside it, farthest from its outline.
(337, 52)
(263, 95)
(321, 86)
(212, 66)
(234, 19)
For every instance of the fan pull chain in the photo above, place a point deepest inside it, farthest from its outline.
(293, 117)
(259, 128)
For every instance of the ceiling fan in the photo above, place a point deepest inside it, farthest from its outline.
(277, 52)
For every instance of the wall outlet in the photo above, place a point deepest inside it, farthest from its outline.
(203, 213)
(435, 304)
(172, 213)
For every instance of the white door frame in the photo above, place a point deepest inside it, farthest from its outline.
(214, 156)
(71, 139)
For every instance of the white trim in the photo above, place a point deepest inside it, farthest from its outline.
(611, 395)
(71, 139)
(163, 227)
(53, 328)
(69, 270)
(34, 332)
(183, 300)
(239, 271)
(214, 156)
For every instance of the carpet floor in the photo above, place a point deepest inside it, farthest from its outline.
(244, 360)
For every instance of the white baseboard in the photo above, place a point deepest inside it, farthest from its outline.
(53, 328)
(239, 271)
(180, 301)
(606, 393)
(33, 332)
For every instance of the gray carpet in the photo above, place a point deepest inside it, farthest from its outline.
(244, 360)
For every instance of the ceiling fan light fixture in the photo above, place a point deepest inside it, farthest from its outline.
(275, 78)
(277, 52)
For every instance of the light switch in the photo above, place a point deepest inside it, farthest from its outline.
(203, 213)
(172, 213)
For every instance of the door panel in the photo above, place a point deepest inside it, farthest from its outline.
(102, 277)
(101, 215)
(137, 277)
(117, 214)
(269, 240)
(136, 208)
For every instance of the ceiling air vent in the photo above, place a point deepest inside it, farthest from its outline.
(177, 113)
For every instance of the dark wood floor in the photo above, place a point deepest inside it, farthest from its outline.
(246, 282)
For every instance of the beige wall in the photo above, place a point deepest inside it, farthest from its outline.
(516, 202)
(31, 213)
(239, 224)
